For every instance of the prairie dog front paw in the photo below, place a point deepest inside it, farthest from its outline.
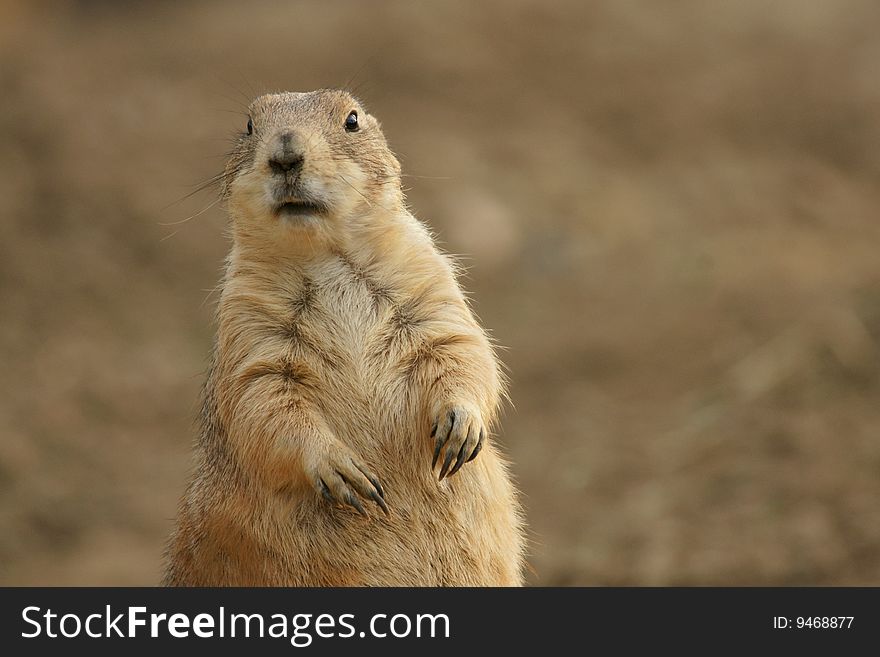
(341, 478)
(459, 434)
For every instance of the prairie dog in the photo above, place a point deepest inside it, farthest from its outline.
(347, 413)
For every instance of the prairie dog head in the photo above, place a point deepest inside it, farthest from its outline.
(308, 167)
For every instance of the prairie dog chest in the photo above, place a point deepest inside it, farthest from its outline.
(358, 334)
(354, 329)
(333, 310)
(346, 299)
(347, 320)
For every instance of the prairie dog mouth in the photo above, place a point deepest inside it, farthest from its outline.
(292, 209)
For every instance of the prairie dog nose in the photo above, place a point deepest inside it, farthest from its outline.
(287, 156)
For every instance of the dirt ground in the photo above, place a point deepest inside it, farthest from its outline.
(669, 212)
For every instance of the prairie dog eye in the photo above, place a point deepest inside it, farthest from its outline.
(351, 122)
(250, 126)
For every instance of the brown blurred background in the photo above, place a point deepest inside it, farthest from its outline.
(670, 216)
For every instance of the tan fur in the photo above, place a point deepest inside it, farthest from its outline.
(343, 338)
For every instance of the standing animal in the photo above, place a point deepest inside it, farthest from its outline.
(347, 414)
